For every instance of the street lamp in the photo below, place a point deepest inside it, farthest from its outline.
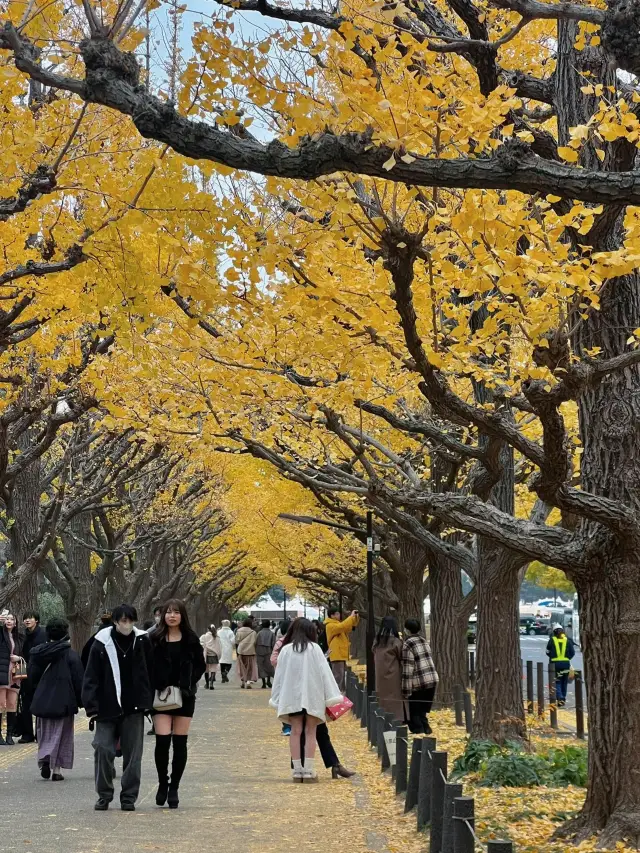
(371, 548)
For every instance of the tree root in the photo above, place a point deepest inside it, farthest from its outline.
(621, 827)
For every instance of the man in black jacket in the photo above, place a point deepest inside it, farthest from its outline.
(117, 692)
(34, 636)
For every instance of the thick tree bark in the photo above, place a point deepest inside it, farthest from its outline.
(83, 609)
(23, 514)
(499, 714)
(449, 621)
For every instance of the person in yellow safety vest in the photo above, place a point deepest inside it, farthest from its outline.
(560, 650)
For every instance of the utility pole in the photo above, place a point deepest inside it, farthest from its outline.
(370, 612)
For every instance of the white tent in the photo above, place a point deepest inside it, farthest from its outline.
(295, 607)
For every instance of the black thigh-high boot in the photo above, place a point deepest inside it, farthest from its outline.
(163, 744)
(178, 763)
(2, 740)
(11, 721)
(206, 680)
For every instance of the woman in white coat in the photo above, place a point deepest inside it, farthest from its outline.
(227, 642)
(303, 688)
(212, 649)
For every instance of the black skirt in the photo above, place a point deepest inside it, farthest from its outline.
(187, 710)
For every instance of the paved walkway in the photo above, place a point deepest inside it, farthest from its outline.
(236, 796)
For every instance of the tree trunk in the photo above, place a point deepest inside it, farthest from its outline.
(499, 714)
(23, 515)
(407, 581)
(449, 621)
(87, 597)
(610, 632)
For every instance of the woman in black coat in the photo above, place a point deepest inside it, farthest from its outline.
(56, 672)
(177, 662)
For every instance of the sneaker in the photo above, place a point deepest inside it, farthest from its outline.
(286, 730)
(101, 805)
(127, 807)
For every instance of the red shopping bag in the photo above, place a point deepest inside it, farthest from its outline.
(337, 711)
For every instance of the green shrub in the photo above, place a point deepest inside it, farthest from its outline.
(510, 766)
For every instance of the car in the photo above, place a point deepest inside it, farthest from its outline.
(534, 626)
(472, 630)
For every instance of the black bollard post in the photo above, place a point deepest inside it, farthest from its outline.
(364, 707)
(457, 703)
(373, 722)
(472, 668)
(468, 711)
(426, 781)
(553, 705)
(411, 800)
(402, 735)
(529, 687)
(463, 825)
(579, 705)
(540, 687)
(439, 774)
(452, 790)
(357, 700)
(500, 847)
(380, 744)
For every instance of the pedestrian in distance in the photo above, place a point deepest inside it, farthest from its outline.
(56, 673)
(387, 651)
(105, 622)
(323, 738)
(34, 635)
(322, 635)
(281, 633)
(227, 642)
(116, 694)
(246, 647)
(10, 649)
(561, 650)
(419, 678)
(178, 663)
(265, 641)
(212, 649)
(338, 631)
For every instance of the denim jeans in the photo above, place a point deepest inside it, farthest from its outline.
(562, 680)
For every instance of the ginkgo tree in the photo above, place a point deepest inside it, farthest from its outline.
(521, 107)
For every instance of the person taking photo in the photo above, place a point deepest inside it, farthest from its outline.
(337, 631)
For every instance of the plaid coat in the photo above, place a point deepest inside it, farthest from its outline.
(418, 670)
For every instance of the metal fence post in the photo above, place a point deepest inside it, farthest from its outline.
(578, 684)
(553, 705)
(379, 744)
(425, 783)
(468, 711)
(439, 777)
(413, 781)
(529, 687)
(463, 825)
(364, 707)
(452, 790)
(402, 736)
(540, 687)
(457, 703)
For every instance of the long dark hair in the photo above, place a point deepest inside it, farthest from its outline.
(388, 628)
(162, 630)
(301, 632)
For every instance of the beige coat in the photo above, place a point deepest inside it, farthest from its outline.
(388, 662)
(246, 641)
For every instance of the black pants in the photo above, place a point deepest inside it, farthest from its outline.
(420, 703)
(25, 720)
(325, 746)
(226, 668)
